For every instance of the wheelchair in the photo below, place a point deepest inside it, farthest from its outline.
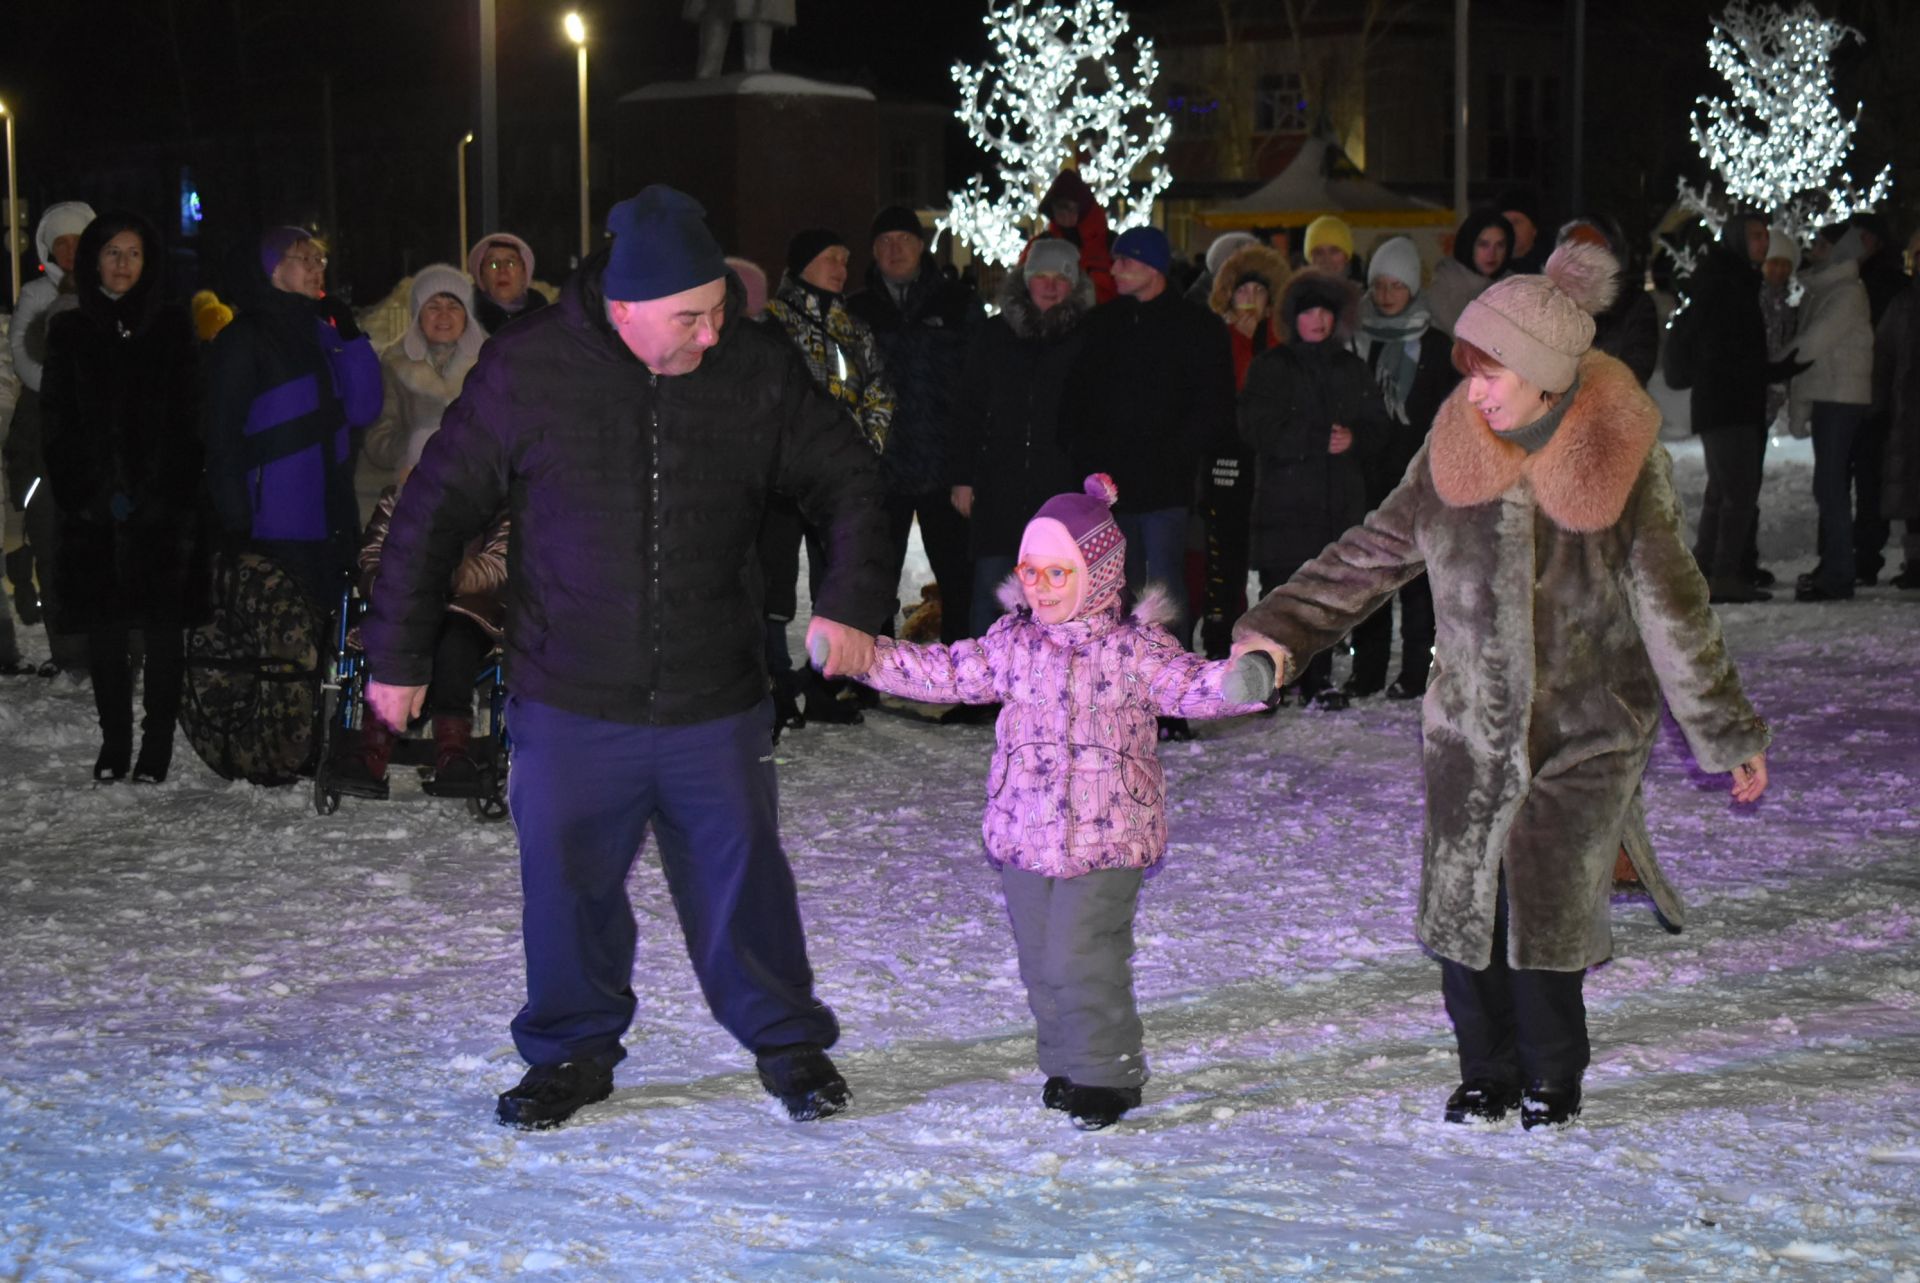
(343, 690)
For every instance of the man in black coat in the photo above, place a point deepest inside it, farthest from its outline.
(635, 435)
(922, 322)
(1152, 390)
(1718, 347)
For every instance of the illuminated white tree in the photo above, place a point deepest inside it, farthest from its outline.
(1056, 89)
(1780, 144)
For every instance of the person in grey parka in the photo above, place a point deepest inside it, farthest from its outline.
(1566, 606)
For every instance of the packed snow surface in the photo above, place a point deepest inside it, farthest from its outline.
(242, 1042)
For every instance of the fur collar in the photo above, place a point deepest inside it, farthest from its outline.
(1154, 607)
(1028, 322)
(1581, 478)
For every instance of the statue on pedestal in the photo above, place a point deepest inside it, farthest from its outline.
(757, 19)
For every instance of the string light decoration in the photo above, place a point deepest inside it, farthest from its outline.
(1781, 144)
(1055, 89)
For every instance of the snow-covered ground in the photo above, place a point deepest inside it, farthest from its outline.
(241, 1042)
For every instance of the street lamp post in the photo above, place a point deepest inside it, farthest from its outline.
(13, 208)
(460, 166)
(577, 32)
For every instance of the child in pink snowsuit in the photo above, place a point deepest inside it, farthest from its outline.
(1075, 815)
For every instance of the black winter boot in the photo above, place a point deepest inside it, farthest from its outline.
(551, 1094)
(1053, 1092)
(803, 1079)
(1093, 1108)
(1481, 1100)
(1549, 1105)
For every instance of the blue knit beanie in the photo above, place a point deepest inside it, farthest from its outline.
(661, 246)
(1145, 245)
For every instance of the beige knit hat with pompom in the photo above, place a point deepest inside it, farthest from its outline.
(1540, 326)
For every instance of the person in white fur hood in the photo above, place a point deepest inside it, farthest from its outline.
(421, 375)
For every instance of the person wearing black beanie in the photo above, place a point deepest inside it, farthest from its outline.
(635, 433)
(811, 244)
(810, 308)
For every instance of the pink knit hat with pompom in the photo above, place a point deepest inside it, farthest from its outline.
(1088, 520)
(1540, 326)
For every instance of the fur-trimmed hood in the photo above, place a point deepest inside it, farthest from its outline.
(1257, 258)
(1581, 478)
(1028, 321)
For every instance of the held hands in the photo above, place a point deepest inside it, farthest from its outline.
(1340, 440)
(962, 499)
(1750, 779)
(1256, 644)
(835, 649)
(395, 705)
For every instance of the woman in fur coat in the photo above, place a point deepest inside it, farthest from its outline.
(1567, 605)
(420, 376)
(1075, 810)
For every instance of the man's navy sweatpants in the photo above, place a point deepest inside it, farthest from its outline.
(582, 792)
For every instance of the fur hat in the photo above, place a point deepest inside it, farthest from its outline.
(478, 254)
(1087, 518)
(1397, 259)
(1329, 229)
(430, 282)
(1047, 255)
(661, 246)
(1540, 326)
(1225, 246)
(66, 218)
(1310, 289)
(1146, 245)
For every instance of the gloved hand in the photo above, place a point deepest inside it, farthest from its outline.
(338, 315)
(120, 506)
(1786, 369)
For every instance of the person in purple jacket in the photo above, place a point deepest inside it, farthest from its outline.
(288, 384)
(1075, 810)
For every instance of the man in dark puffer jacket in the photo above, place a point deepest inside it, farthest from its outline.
(635, 434)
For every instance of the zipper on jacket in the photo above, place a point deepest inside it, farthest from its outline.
(653, 540)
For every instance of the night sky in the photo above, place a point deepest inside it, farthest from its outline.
(117, 98)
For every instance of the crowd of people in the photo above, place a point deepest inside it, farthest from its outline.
(612, 483)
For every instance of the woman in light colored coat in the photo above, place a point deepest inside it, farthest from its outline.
(421, 375)
(1829, 401)
(1567, 606)
(1075, 806)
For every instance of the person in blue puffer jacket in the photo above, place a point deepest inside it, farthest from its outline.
(288, 382)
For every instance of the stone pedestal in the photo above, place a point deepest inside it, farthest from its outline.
(767, 154)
